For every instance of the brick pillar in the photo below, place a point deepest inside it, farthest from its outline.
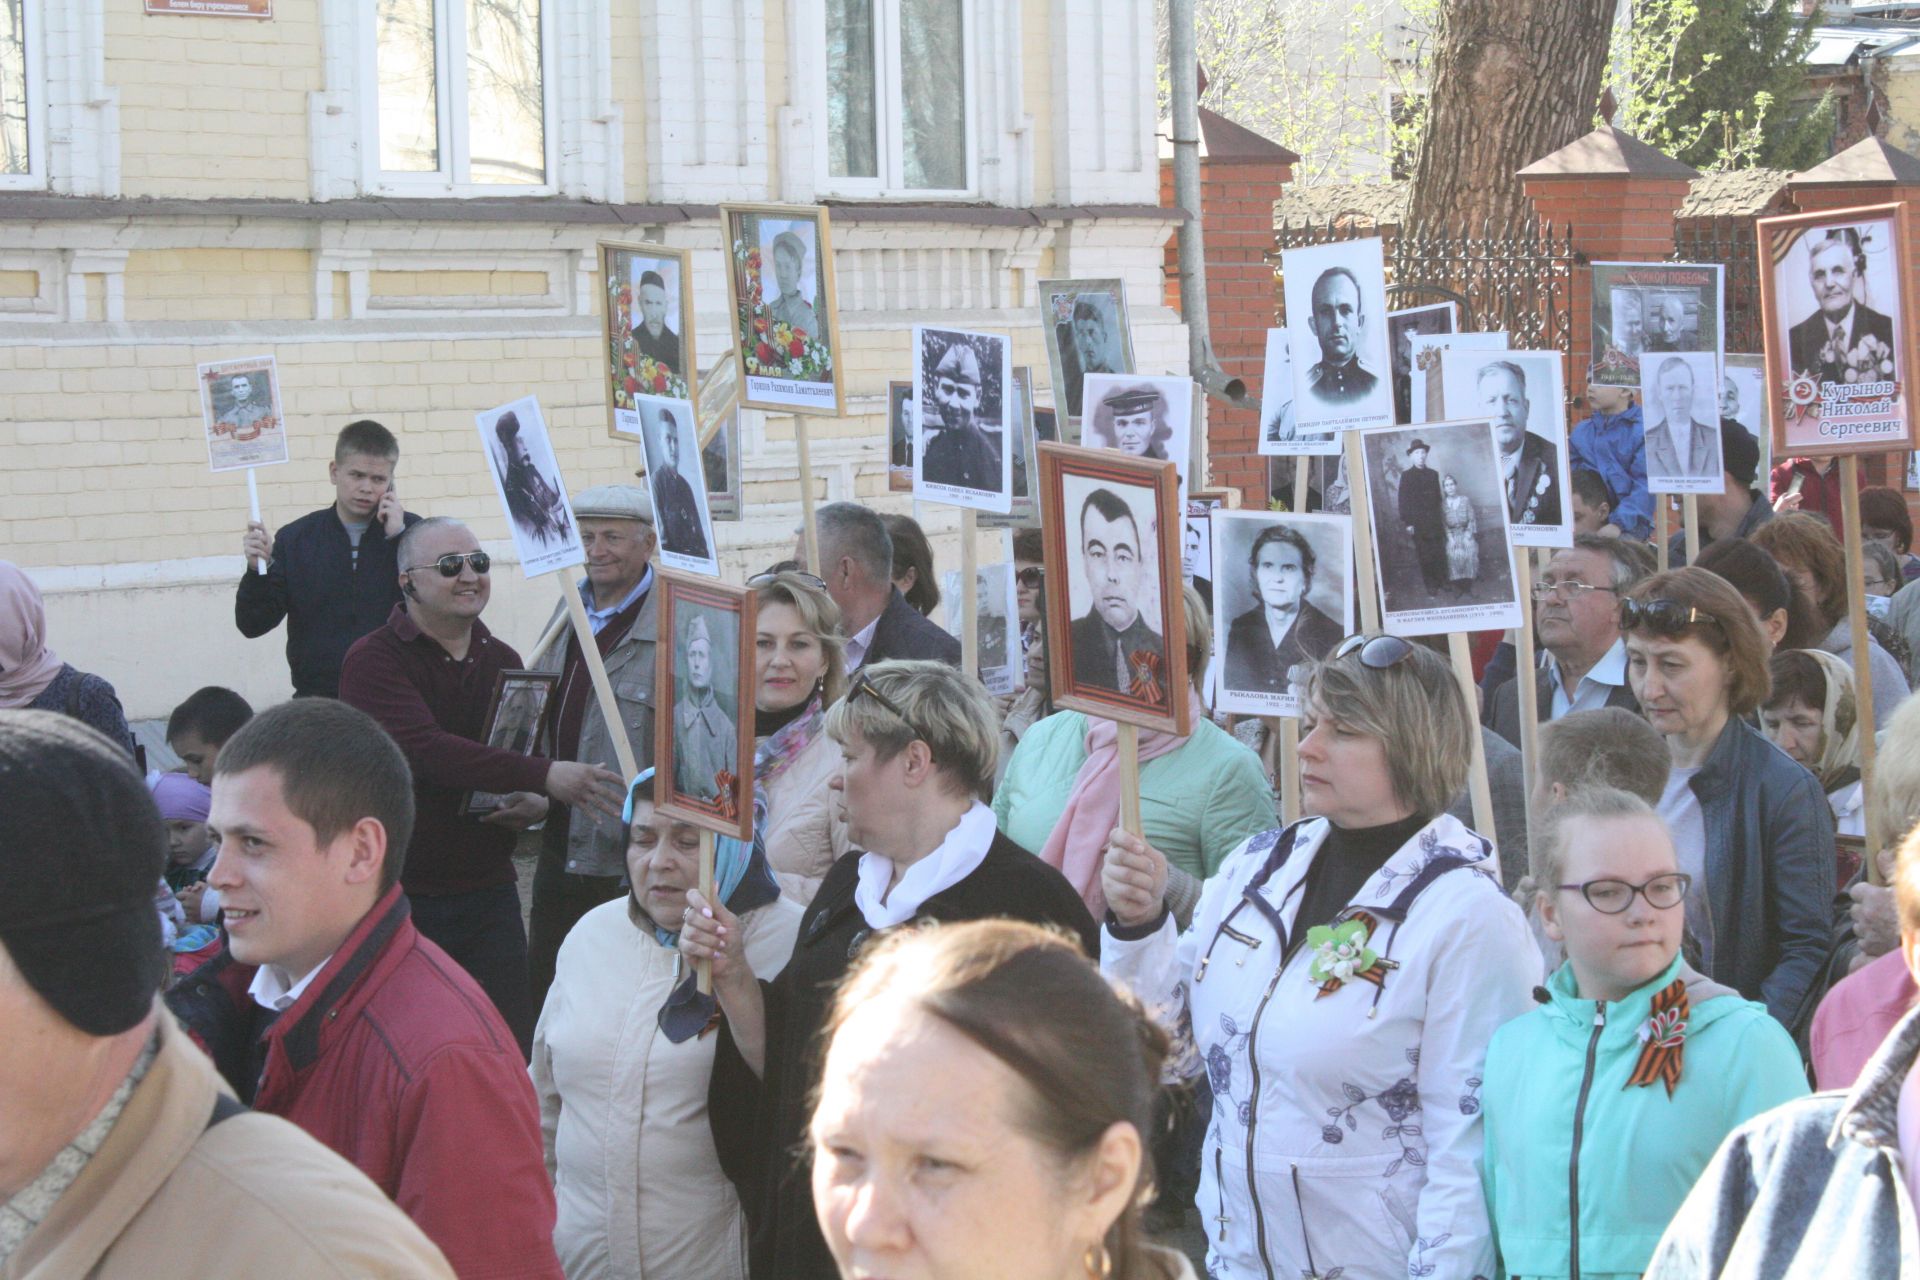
(1619, 197)
(1241, 175)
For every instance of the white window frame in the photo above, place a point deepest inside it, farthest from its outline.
(35, 178)
(450, 92)
(889, 110)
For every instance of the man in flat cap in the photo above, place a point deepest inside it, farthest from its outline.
(1134, 421)
(705, 742)
(1423, 513)
(1339, 322)
(960, 455)
(122, 1153)
(582, 851)
(791, 308)
(651, 337)
(681, 529)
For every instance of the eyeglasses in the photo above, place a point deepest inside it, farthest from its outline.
(1031, 578)
(1873, 583)
(764, 579)
(1611, 897)
(1668, 616)
(1376, 652)
(449, 564)
(863, 684)
(1567, 589)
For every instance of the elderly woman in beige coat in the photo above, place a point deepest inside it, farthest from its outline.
(799, 659)
(622, 1068)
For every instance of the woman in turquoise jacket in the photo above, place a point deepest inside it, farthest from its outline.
(1603, 1105)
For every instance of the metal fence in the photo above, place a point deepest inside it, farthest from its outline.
(1731, 243)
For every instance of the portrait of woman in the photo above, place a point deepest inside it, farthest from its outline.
(1463, 533)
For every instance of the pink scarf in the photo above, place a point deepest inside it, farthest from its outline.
(1078, 844)
(27, 666)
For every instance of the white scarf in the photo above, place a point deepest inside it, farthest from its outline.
(956, 858)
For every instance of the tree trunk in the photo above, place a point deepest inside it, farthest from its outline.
(1513, 80)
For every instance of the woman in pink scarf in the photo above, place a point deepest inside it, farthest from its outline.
(32, 677)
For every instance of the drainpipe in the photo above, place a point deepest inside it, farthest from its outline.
(1184, 66)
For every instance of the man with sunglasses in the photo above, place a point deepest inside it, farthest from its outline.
(428, 677)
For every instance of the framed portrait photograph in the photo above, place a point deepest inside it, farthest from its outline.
(1652, 308)
(1744, 399)
(1403, 326)
(1440, 540)
(1285, 600)
(680, 514)
(647, 289)
(902, 433)
(516, 721)
(1023, 511)
(526, 476)
(1086, 330)
(1196, 546)
(1112, 570)
(703, 751)
(1834, 303)
(1279, 438)
(780, 292)
(1680, 409)
(720, 460)
(240, 403)
(996, 620)
(1522, 394)
(1336, 296)
(1425, 398)
(963, 389)
(1142, 417)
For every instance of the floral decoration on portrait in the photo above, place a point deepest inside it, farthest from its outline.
(778, 350)
(643, 375)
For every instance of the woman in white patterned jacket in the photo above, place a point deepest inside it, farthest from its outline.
(1339, 985)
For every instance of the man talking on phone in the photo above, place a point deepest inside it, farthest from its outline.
(331, 574)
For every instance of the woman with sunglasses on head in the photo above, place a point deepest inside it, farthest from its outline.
(1339, 985)
(917, 745)
(800, 664)
(1604, 1104)
(1752, 828)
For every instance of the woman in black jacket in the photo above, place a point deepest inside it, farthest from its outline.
(919, 743)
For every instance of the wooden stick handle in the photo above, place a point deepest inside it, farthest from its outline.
(1289, 768)
(1862, 653)
(1300, 469)
(703, 969)
(1129, 778)
(969, 597)
(1362, 536)
(597, 671)
(1477, 779)
(1690, 521)
(1661, 530)
(809, 534)
(1526, 660)
(253, 504)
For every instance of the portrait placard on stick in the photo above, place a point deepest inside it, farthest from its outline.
(720, 460)
(704, 748)
(1425, 399)
(1284, 601)
(1280, 437)
(1023, 510)
(1336, 298)
(680, 511)
(1680, 409)
(996, 621)
(1744, 398)
(962, 385)
(1440, 536)
(648, 296)
(1113, 586)
(780, 292)
(1143, 417)
(526, 476)
(514, 722)
(1403, 326)
(240, 401)
(1643, 309)
(1085, 323)
(903, 433)
(1836, 306)
(1521, 393)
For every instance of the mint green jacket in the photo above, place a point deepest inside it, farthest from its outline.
(1639, 1150)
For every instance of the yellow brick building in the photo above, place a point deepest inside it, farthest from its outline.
(400, 200)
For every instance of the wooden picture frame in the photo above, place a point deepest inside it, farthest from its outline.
(1058, 302)
(631, 371)
(690, 740)
(1880, 403)
(1148, 494)
(807, 381)
(531, 721)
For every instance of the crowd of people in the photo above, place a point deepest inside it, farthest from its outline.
(280, 1005)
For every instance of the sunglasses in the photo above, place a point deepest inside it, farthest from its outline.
(767, 579)
(1377, 653)
(1031, 578)
(1668, 617)
(449, 564)
(1611, 897)
(863, 685)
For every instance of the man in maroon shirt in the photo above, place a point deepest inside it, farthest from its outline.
(427, 676)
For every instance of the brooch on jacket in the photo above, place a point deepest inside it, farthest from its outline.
(1663, 1038)
(1341, 954)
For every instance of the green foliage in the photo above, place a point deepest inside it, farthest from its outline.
(1721, 84)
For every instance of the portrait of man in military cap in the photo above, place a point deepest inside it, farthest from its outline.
(963, 386)
(1337, 336)
(780, 293)
(1142, 417)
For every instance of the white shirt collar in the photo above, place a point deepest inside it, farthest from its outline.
(271, 987)
(956, 858)
(598, 618)
(859, 643)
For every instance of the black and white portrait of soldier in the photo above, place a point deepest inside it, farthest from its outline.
(247, 403)
(963, 402)
(900, 425)
(1085, 323)
(959, 453)
(1521, 394)
(1143, 417)
(1843, 340)
(1529, 464)
(1113, 640)
(1278, 434)
(789, 303)
(705, 740)
(1282, 628)
(674, 464)
(653, 336)
(534, 499)
(1339, 323)
(673, 497)
(1336, 306)
(1681, 412)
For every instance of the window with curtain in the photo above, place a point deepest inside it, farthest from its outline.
(897, 89)
(461, 93)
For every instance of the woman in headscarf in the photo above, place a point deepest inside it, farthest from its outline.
(621, 1064)
(32, 676)
(1811, 714)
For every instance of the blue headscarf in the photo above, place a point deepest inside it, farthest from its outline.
(742, 881)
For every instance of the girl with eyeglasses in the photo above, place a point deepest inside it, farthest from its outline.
(1751, 828)
(1605, 1102)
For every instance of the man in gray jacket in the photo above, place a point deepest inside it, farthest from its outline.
(582, 854)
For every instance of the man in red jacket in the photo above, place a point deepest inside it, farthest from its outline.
(329, 1009)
